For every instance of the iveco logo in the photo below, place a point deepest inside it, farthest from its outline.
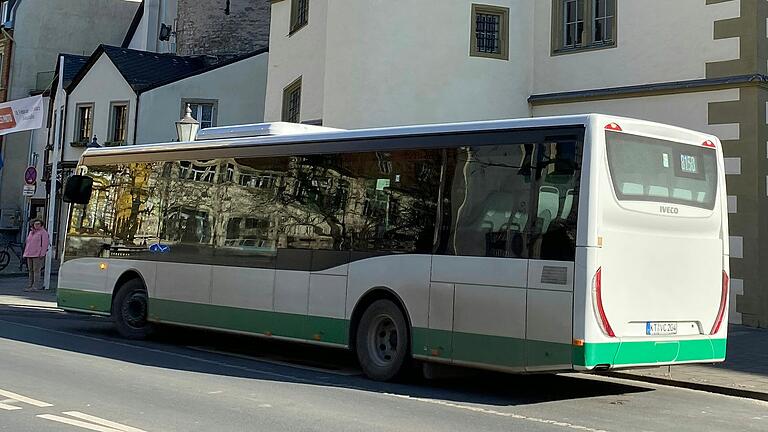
(669, 210)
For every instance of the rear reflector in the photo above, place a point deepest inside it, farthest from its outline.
(723, 301)
(709, 144)
(597, 303)
(613, 127)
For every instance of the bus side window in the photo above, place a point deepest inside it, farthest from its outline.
(485, 201)
(554, 232)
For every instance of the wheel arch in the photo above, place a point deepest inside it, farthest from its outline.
(127, 275)
(367, 299)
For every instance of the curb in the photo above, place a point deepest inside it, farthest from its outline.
(711, 388)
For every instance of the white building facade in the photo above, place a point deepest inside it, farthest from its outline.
(693, 63)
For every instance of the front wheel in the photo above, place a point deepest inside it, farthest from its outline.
(382, 341)
(130, 310)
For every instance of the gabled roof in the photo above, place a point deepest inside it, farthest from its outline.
(134, 25)
(72, 65)
(142, 69)
(145, 70)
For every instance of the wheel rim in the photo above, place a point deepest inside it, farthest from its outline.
(383, 340)
(135, 310)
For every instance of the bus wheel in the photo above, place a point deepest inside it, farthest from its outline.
(130, 310)
(382, 341)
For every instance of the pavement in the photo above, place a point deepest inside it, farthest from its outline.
(743, 374)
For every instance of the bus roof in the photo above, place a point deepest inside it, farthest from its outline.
(278, 134)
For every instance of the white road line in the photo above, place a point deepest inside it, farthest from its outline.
(101, 421)
(78, 423)
(9, 407)
(24, 399)
(497, 413)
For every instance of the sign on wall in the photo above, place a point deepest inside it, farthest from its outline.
(21, 114)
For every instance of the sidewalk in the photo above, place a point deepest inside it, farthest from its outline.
(12, 293)
(744, 372)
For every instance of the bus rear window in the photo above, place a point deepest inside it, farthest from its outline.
(648, 169)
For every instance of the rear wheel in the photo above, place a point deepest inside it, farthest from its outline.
(130, 310)
(382, 341)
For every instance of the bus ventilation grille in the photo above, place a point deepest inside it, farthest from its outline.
(554, 275)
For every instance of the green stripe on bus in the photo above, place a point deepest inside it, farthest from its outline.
(490, 350)
(648, 352)
(84, 300)
(296, 326)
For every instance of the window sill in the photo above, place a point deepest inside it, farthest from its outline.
(490, 56)
(78, 144)
(114, 143)
(297, 29)
(587, 48)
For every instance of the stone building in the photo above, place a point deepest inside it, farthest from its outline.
(222, 27)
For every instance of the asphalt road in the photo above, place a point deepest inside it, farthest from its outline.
(65, 372)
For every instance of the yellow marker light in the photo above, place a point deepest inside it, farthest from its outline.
(102, 266)
(600, 241)
(578, 342)
(267, 333)
(317, 337)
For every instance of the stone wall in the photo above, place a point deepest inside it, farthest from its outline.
(222, 27)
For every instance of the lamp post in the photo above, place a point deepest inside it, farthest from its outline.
(187, 127)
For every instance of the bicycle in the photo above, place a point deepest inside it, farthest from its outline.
(17, 249)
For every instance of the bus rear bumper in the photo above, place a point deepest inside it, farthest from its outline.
(643, 353)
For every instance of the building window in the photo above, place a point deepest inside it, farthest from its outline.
(490, 32)
(583, 24)
(203, 111)
(118, 128)
(292, 102)
(299, 14)
(5, 12)
(604, 16)
(84, 123)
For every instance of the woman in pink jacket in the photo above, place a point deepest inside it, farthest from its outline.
(34, 252)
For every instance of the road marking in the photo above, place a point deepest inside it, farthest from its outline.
(497, 413)
(24, 399)
(9, 407)
(78, 423)
(102, 421)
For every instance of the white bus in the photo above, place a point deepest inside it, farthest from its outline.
(581, 243)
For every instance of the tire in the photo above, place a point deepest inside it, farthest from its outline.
(130, 310)
(382, 341)
(5, 259)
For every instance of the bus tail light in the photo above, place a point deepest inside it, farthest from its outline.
(709, 143)
(597, 303)
(614, 127)
(723, 301)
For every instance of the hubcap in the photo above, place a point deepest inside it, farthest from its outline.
(382, 340)
(135, 310)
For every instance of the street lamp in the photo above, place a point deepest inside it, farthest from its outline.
(186, 128)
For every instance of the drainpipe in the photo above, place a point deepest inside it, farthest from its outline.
(136, 118)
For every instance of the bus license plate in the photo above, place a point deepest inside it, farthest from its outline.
(660, 328)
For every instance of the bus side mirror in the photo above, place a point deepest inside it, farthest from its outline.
(78, 189)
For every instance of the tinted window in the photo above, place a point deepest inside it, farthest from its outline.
(517, 200)
(648, 169)
(487, 202)
(393, 200)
